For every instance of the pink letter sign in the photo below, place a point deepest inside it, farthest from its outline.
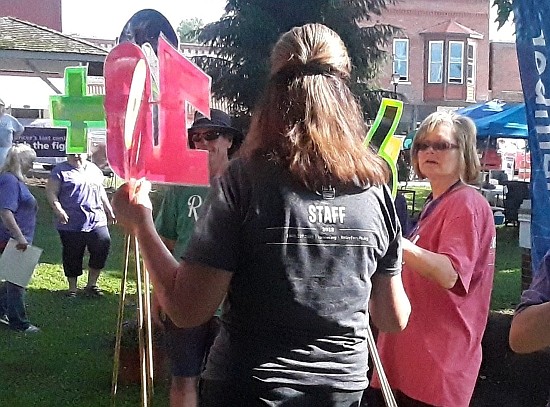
(131, 149)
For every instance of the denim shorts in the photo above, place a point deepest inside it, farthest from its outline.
(187, 348)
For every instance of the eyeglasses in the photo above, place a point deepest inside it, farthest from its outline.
(436, 146)
(206, 136)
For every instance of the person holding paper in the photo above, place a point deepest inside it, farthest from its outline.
(18, 210)
(299, 235)
(82, 209)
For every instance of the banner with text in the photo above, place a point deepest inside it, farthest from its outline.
(532, 19)
(46, 141)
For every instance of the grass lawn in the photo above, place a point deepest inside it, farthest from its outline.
(70, 362)
(507, 282)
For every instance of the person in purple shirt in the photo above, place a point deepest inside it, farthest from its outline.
(18, 214)
(76, 194)
(530, 329)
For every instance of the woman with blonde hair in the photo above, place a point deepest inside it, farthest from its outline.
(448, 273)
(18, 214)
(299, 235)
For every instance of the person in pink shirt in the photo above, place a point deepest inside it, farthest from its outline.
(447, 273)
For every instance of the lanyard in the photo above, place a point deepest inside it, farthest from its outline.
(430, 204)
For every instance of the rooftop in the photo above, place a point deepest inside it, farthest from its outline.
(19, 35)
(452, 27)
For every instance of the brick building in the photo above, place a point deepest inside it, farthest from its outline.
(46, 13)
(504, 80)
(443, 58)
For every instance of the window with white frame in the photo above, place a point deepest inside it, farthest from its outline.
(435, 58)
(401, 58)
(456, 62)
(471, 68)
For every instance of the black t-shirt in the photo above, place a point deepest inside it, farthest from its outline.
(297, 307)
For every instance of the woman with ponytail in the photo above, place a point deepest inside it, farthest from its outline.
(299, 235)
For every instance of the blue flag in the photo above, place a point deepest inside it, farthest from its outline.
(532, 19)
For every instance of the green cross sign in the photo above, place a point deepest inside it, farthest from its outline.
(77, 111)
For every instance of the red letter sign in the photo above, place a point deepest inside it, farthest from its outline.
(131, 150)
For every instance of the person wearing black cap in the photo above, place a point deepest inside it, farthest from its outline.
(9, 128)
(211, 129)
(187, 347)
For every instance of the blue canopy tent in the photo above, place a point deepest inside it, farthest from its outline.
(492, 119)
(480, 110)
(509, 122)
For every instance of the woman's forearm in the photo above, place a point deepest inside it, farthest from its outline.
(52, 192)
(9, 222)
(188, 293)
(106, 204)
(158, 260)
(389, 305)
(530, 329)
(437, 267)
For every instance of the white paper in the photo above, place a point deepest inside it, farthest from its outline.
(17, 266)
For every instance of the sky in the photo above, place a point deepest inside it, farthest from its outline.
(105, 19)
(506, 33)
(95, 21)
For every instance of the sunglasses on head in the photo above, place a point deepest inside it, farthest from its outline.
(207, 136)
(436, 146)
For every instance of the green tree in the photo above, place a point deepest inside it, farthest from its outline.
(504, 10)
(188, 30)
(248, 30)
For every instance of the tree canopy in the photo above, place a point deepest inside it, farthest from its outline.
(247, 31)
(504, 8)
(188, 30)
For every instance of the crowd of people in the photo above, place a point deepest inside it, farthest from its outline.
(81, 207)
(267, 282)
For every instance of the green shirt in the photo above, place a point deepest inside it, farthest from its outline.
(178, 213)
